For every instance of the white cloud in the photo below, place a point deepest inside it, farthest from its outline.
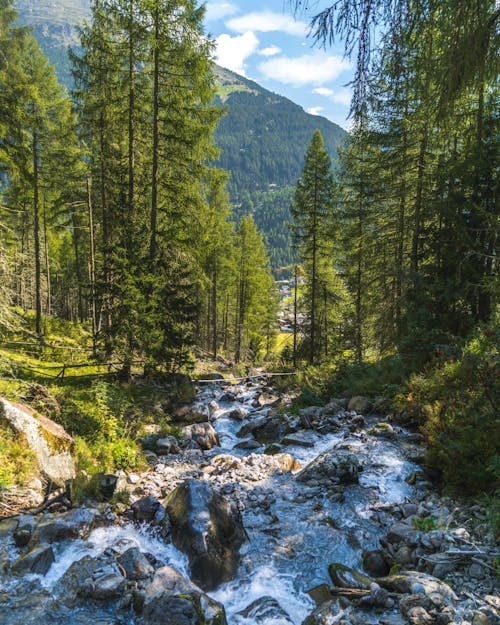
(342, 96)
(315, 110)
(231, 52)
(217, 10)
(270, 51)
(323, 91)
(316, 69)
(266, 22)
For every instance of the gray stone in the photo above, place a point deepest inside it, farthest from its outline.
(374, 563)
(383, 430)
(37, 560)
(76, 523)
(167, 445)
(266, 610)
(203, 434)
(238, 414)
(135, 564)
(345, 577)
(326, 614)
(105, 583)
(146, 509)
(301, 439)
(419, 616)
(208, 528)
(171, 599)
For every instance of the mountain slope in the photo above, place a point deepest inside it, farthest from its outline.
(264, 136)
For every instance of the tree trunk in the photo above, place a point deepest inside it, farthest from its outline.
(154, 176)
(36, 237)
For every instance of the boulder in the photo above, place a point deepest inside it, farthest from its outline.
(266, 399)
(238, 414)
(196, 413)
(248, 444)
(167, 445)
(338, 465)
(171, 599)
(105, 583)
(301, 439)
(383, 430)
(135, 564)
(374, 563)
(266, 611)
(286, 462)
(208, 528)
(203, 434)
(359, 404)
(146, 509)
(52, 445)
(327, 613)
(37, 560)
(76, 523)
(344, 577)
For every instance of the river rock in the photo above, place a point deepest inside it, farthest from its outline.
(265, 399)
(203, 434)
(344, 577)
(339, 465)
(51, 444)
(167, 445)
(8, 526)
(326, 614)
(208, 528)
(403, 533)
(135, 564)
(146, 509)
(171, 599)
(416, 582)
(238, 414)
(301, 439)
(196, 413)
(269, 430)
(37, 560)
(76, 523)
(248, 444)
(383, 430)
(266, 611)
(105, 583)
(359, 404)
(374, 562)
(286, 462)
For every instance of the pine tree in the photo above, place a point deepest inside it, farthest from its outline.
(313, 232)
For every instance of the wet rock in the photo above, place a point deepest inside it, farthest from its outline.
(146, 509)
(76, 523)
(266, 611)
(238, 414)
(208, 528)
(321, 593)
(228, 396)
(326, 614)
(269, 430)
(301, 439)
(135, 564)
(167, 445)
(171, 599)
(106, 583)
(249, 444)
(37, 560)
(409, 509)
(374, 562)
(203, 434)
(344, 577)
(359, 404)
(339, 465)
(74, 578)
(383, 430)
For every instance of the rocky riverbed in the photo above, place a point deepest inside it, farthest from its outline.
(258, 517)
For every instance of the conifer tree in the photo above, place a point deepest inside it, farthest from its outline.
(313, 231)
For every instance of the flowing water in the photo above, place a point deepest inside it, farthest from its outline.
(292, 539)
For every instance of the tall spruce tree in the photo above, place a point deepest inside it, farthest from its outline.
(312, 212)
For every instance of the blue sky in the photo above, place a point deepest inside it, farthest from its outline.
(262, 41)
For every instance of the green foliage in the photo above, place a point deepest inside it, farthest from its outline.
(426, 524)
(456, 402)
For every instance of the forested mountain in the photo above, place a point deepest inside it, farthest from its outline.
(263, 136)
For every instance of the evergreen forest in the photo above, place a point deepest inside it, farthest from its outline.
(220, 326)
